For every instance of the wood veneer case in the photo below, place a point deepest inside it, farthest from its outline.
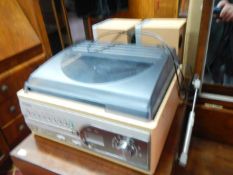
(21, 51)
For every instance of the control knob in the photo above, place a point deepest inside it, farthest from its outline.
(127, 147)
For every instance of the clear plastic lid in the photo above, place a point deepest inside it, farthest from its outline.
(125, 79)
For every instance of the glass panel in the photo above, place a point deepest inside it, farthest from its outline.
(219, 59)
(92, 69)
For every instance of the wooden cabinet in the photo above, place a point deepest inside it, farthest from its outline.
(32, 11)
(21, 51)
(153, 8)
(15, 130)
(4, 150)
(9, 110)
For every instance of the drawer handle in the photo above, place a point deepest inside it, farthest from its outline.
(12, 109)
(4, 88)
(21, 127)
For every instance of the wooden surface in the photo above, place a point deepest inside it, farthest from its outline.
(108, 30)
(191, 37)
(218, 89)
(20, 53)
(141, 9)
(32, 10)
(203, 36)
(44, 156)
(171, 30)
(9, 110)
(166, 8)
(18, 41)
(15, 131)
(4, 149)
(208, 158)
(214, 124)
(153, 8)
(14, 78)
(225, 105)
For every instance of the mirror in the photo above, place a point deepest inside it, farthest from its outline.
(218, 68)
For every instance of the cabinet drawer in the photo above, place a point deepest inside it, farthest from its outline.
(9, 110)
(15, 131)
(7, 86)
(13, 80)
(3, 150)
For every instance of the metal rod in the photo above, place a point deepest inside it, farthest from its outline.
(184, 154)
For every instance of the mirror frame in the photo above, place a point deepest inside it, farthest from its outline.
(212, 93)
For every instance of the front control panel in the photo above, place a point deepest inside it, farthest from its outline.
(114, 141)
(119, 146)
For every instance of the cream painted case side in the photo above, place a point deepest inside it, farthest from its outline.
(164, 118)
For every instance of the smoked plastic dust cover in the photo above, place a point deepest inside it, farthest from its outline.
(126, 79)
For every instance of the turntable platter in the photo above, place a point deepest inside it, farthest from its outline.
(92, 69)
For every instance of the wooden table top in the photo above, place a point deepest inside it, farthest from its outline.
(36, 155)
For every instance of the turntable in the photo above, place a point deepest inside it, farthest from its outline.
(125, 79)
(113, 101)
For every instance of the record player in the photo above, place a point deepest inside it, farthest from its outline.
(113, 101)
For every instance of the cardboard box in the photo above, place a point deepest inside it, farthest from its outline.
(171, 30)
(117, 30)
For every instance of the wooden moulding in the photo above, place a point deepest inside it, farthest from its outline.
(214, 124)
(15, 77)
(32, 10)
(19, 42)
(203, 35)
(4, 150)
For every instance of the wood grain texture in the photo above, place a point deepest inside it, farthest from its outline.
(9, 110)
(191, 37)
(14, 78)
(208, 158)
(218, 89)
(152, 8)
(50, 157)
(166, 8)
(214, 124)
(203, 36)
(4, 149)
(225, 105)
(16, 33)
(15, 131)
(32, 10)
(141, 9)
